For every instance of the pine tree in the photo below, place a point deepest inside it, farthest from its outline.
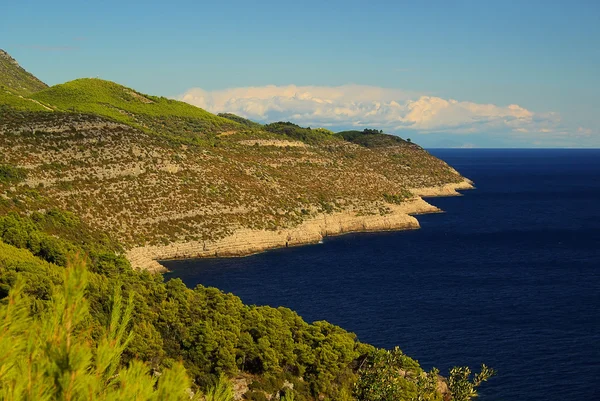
(53, 357)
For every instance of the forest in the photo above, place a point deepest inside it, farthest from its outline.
(79, 320)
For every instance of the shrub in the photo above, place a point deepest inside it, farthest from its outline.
(10, 174)
(51, 357)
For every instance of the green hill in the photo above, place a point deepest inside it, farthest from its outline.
(241, 120)
(155, 114)
(15, 79)
(18, 102)
(154, 171)
(371, 138)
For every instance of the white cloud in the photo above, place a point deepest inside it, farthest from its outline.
(581, 131)
(393, 110)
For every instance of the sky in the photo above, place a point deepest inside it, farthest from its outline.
(451, 73)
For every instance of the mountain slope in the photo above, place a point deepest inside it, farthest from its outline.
(18, 102)
(156, 114)
(167, 179)
(15, 79)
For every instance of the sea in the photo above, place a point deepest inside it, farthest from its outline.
(508, 275)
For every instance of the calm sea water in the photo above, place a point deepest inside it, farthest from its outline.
(508, 276)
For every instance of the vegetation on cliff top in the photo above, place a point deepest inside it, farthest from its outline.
(294, 131)
(372, 138)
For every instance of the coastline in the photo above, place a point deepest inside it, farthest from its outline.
(245, 242)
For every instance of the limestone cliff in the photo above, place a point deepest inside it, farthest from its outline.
(246, 241)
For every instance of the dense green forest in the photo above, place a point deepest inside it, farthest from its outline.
(210, 333)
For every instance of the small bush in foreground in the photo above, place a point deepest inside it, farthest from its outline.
(50, 357)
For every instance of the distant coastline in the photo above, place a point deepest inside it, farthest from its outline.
(244, 242)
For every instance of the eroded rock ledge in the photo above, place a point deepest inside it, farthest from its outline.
(246, 241)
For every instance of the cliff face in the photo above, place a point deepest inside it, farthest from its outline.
(245, 241)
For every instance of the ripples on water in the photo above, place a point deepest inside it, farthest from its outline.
(508, 276)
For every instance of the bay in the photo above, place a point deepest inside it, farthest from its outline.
(509, 276)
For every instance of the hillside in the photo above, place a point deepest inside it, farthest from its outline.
(94, 168)
(147, 190)
(15, 79)
(150, 113)
(168, 179)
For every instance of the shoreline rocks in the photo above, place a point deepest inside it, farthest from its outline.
(244, 242)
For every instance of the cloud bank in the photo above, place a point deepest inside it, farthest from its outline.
(362, 106)
(396, 111)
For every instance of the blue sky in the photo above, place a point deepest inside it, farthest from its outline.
(443, 64)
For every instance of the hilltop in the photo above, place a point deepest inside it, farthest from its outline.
(168, 179)
(119, 103)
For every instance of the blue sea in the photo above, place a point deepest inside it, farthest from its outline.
(508, 276)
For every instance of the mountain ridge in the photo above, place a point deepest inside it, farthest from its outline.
(15, 78)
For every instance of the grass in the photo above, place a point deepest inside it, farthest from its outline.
(7, 99)
(150, 113)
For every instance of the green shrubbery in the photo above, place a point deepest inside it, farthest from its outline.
(157, 114)
(50, 355)
(10, 174)
(462, 386)
(56, 234)
(391, 375)
(371, 138)
(210, 332)
(299, 133)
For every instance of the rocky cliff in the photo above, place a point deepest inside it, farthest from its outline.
(246, 241)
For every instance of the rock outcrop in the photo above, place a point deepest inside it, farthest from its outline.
(246, 241)
(6, 56)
